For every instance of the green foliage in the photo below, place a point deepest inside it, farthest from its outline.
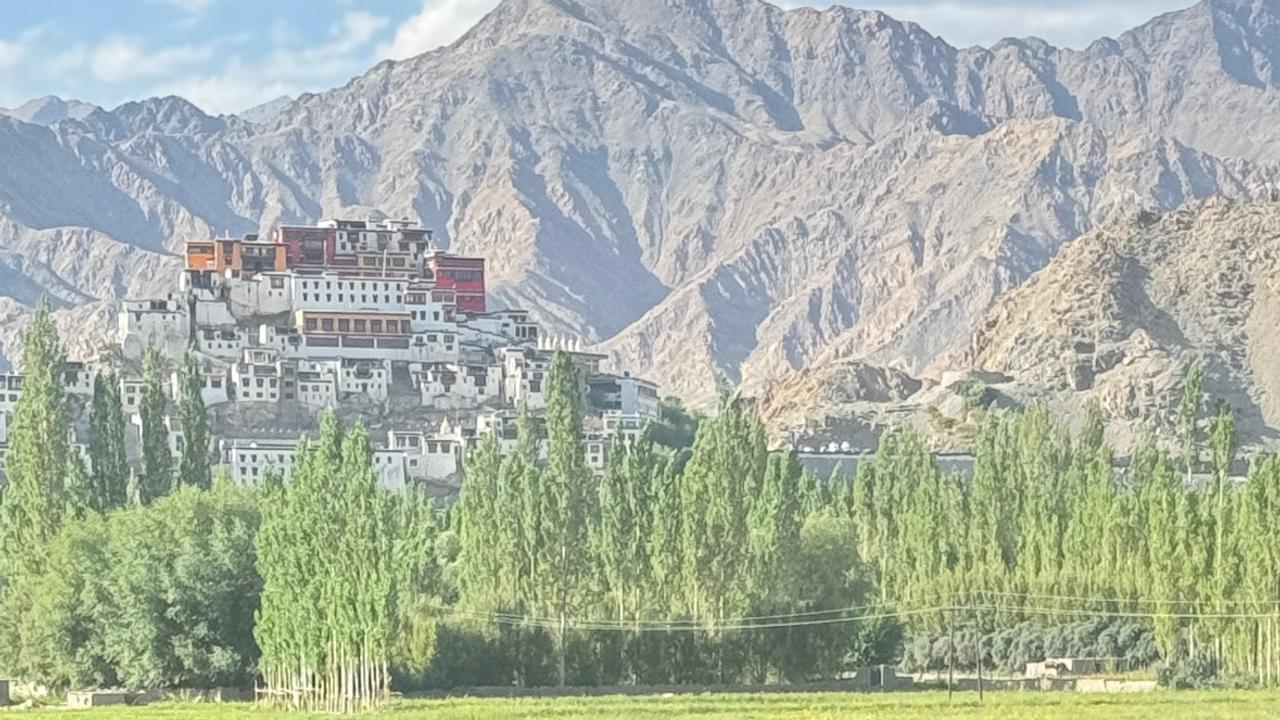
(33, 505)
(109, 479)
(1125, 645)
(331, 596)
(149, 597)
(194, 463)
(1188, 413)
(676, 427)
(156, 477)
(974, 392)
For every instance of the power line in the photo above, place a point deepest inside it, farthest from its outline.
(745, 619)
(860, 614)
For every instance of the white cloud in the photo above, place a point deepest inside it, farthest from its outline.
(440, 22)
(123, 59)
(11, 53)
(14, 52)
(285, 70)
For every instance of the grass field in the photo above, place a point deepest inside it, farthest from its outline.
(816, 706)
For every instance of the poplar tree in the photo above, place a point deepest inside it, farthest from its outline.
(109, 479)
(194, 467)
(1188, 412)
(663, 548)
(36, 461)
(724, 472)
(156, 478)
(565, 504)
(476, 518)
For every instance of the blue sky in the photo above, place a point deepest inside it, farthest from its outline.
(229, 55)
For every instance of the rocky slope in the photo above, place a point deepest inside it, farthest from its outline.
(705, 188)
(1120, 314)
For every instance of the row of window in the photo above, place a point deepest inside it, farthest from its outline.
(358, 325)
(364, 285)
(460, 275)
(328, 297)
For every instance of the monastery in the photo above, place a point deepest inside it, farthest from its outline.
(367, 317)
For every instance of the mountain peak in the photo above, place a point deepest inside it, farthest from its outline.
(171, 115)
(51, 109)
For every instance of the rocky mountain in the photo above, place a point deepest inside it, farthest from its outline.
(1122, 312)
(49, 109)
(706, 189)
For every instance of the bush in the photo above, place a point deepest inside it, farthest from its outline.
(148, 597)
(1010, 649)
(975, 393)
(1201, 673)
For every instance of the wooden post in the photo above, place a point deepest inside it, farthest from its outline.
(951, 652)
(978, 628)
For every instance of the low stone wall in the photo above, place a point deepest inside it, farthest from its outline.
(99, 698)
(1099, 685)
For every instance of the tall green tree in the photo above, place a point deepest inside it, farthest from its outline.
(330, 587)
(566, 504)
(1189, 414)
(36, 461)
(723, 475)
(109, 463)
(156, 478)
(194, 466)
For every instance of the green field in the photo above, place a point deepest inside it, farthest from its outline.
(813, 706)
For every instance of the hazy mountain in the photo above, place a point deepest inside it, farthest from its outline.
(267, 110)
(49, 109)
(706, 188)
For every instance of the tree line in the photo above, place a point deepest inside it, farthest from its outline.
(699, 556)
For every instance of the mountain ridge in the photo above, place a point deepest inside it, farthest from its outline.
(708, 189)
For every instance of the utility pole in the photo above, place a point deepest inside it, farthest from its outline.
(978, 636)
(951, 652)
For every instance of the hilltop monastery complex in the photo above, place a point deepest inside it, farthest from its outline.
(364, 316)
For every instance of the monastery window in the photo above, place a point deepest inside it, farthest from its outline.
(431, 338)
(344, 325)
(311, 324)
(277, 283)
(244, 382)
(375, 326)
(361, 326)
(535, 386)
(327, 324)
(328, 297)
(215, 383)
(404, 326)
